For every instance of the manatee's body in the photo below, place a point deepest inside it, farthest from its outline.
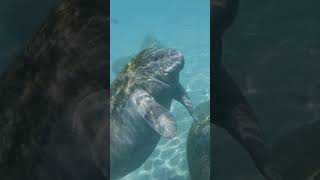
(53, 108)
(141, 97)
(298, 153)
(149, 42)
(243, 129)
(198, 145)
(230, 107)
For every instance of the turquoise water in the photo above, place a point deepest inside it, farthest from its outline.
(182, 24)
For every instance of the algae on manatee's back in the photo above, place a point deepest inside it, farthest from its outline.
(150, 41)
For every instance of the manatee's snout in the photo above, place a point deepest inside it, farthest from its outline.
(175, 61)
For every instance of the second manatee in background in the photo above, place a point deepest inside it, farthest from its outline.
(199, 154)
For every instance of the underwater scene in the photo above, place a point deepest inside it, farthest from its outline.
(166, 25)
(271, 53)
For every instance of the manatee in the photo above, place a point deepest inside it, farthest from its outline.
(54, 99)
(150, 41)
(242, 129)
(230, 107)
(232, 112)
(297, 152)
(198, 144)
(140, 102)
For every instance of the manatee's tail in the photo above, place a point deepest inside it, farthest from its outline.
(150, 41)
(232, 112)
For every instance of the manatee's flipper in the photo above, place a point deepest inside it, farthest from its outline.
(158, 117)
(182, 96)
(233, 112)
(155, 86)
(91, 114)
(91, 124)
(243, 126)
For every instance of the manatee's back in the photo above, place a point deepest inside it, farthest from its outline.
(198, 144)
(149, 42)
(132, 138)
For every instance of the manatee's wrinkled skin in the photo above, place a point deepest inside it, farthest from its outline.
(230, 108)
(149, 42)
(297, 153)
(140, 101)
(198, 145)
(53, 120)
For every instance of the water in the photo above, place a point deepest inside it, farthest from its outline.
(182, 24)
(18, 20)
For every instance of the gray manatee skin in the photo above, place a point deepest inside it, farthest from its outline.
(140, 102)
(53, 119)
(297, 152)
(198, 148)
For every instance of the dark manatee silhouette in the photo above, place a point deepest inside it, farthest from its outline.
(201, 159)
(54, 100)
(297, 152)
(198, 144)
(141, 98)
(150, 41)
(230, 107)
(19, 19)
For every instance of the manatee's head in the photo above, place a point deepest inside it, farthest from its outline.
(162, 64)
(159, 69)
